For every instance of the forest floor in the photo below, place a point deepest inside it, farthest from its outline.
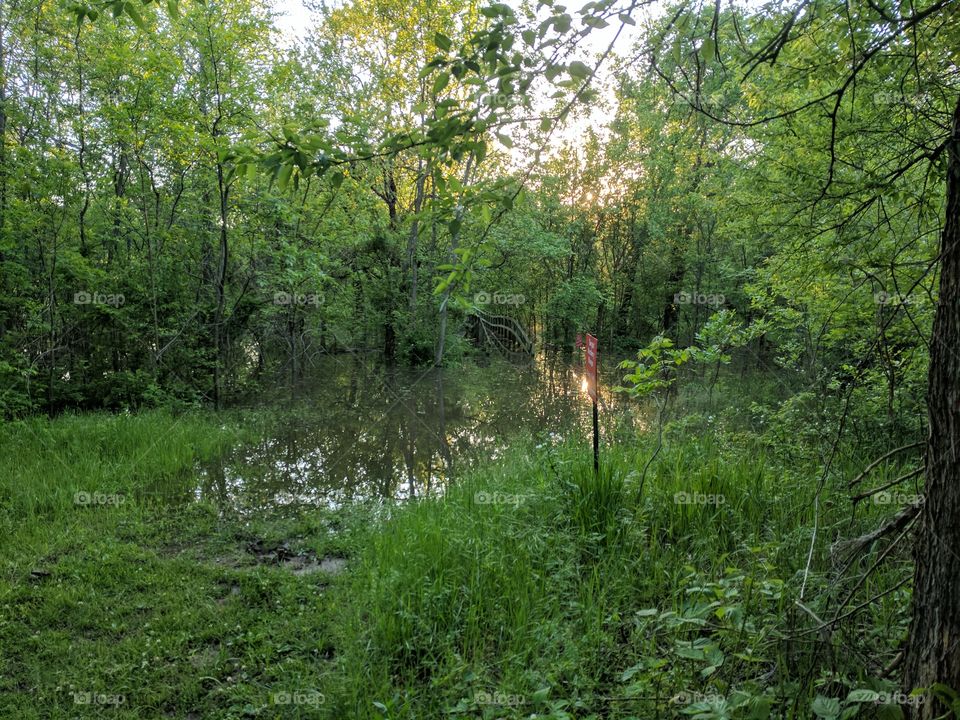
(531, 587)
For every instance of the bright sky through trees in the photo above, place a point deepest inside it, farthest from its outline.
(294, 21)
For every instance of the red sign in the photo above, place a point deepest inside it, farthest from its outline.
(579, 343)
(591, 366)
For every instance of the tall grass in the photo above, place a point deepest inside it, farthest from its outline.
(531, 586)
(48, 465)
(537, 586)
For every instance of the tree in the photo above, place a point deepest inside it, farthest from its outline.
(793, 84)
(831, 59)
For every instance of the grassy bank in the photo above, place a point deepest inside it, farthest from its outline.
(123, 596)
(536, 588)
(529, 587)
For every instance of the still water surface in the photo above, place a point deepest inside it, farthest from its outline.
(357, 430)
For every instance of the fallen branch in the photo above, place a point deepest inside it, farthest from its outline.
(881, 459)
(902, 478)
(895, 524)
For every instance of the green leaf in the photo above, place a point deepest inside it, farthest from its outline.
(709, 49)
(283, 177)
(505, 140)
(561, 23)
(579, 70)
(863, 695)
(134, 14)
(440, 82)
(445, 283)
(691, 653)
(595, 22)
(826, 708)
(759, 708)
(442, 41)
(430, 67)
(541, 695)
(626, 19)
(677, 51)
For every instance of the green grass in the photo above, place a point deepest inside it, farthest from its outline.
(575, 597)
(141, 595)
(530, 587)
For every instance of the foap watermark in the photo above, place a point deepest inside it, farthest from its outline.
(898, 697)
(884, 298)
(687, 697)
(98, 298)
(698, 298)
(897, 498)
(884, 697)
(700, 100)
(82, 497)
(697, 498)
(498, 698)
(498, 298)
(501, 100)
(297, 697)
(497, 498)
(895, 97)
(299, 299)
(89, 697)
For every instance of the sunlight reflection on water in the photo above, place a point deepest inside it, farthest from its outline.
(356, 431)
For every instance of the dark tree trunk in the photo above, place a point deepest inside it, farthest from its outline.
(933, 646)
(671, 313)
(391, 198)
(218, 329)
(412, 240)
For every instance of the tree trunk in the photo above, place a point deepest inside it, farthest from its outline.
(454, 240)
(933, 646)
(412, 240)
(3, 169)
(671, 313)
(219, 362)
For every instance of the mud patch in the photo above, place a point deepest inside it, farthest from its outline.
(299, 562)
(204, 658)
(306, 565)
(231, 590)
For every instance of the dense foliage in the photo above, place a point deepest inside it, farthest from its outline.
(146, 256)
(192, 206)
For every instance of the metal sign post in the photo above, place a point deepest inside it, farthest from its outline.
(591, 368)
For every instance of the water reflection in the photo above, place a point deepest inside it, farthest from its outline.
(359, 430)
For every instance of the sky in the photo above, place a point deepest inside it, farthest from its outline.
(294, 21)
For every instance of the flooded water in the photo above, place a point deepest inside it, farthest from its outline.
(356, 430)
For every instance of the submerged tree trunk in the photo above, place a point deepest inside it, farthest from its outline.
(933, 646)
